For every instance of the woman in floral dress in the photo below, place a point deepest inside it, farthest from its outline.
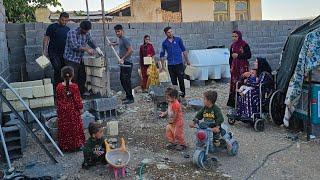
(69, 106)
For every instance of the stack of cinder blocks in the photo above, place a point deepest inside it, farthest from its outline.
(96, 75)
(104, 108)
(33, 50)
(36, 94)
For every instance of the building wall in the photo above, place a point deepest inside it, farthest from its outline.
(255, 10)
(4, 64)
(200, 10)
(146, 10)
(266, 39)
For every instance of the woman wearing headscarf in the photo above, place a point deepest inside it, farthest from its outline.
(249, 103)
(146, 50)
(238, 61)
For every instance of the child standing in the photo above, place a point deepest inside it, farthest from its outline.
(94, 150)
(69, 106)
(251, 80)
(211, 113)
(174, 130)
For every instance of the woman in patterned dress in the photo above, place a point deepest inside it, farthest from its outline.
(239, 55)
(146, 50)
(69, 106)
(249, 103)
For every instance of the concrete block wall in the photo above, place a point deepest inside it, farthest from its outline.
(266, 39)
(16, 42)
(4, 64)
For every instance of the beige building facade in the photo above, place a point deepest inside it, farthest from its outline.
(175, 11)
(190, 10)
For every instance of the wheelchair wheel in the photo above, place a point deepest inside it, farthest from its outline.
(259, 125)
(277, 107)
(231, 121)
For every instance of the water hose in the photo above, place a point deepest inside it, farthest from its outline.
(140, 171)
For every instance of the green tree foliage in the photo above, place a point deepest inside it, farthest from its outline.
(20, 11)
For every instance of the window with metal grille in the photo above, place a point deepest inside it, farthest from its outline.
(242, 10)
(221, 10)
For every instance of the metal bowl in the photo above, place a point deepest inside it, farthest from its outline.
(117, 158)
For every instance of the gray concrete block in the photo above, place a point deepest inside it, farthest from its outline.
(29, 26)
(162, 25)
(149, 26)
(32, 67)
(30, 50)
(105, 104)
(15, 27)
(35, 75)
(15, 35)
(136, 25)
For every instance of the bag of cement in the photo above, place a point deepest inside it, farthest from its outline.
(43, 61)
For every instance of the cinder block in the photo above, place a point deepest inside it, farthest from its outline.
(9, 94)
(48, 101)
(112, 128)
(96, 71)
(48, 89)
(38, 91)
(47, 81)
(5, 108)
(97, 81)
(36, 103)
(19, 106)
(16, 84)
(93, 61)
(32, 83)
(25, 92)
(36, 75)
(105, 104)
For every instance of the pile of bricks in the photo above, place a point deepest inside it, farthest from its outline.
(96, 75)
(36, 94)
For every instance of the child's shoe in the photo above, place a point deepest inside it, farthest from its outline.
(85, 166)
(170, 146)
(181, 147)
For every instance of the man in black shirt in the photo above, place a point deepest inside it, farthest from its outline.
(54, 43)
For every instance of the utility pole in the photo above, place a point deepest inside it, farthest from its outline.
(105, 48)
(87, 10)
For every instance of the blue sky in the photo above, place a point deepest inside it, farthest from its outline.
(271, 9)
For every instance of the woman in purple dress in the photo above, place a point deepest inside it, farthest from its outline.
(249, 103)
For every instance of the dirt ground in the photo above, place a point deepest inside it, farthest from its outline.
(144, 135)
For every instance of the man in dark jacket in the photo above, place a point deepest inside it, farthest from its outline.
(54, 43)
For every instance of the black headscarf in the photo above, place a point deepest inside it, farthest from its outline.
(263, 66)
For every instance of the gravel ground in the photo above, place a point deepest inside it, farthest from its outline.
(144, 134)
